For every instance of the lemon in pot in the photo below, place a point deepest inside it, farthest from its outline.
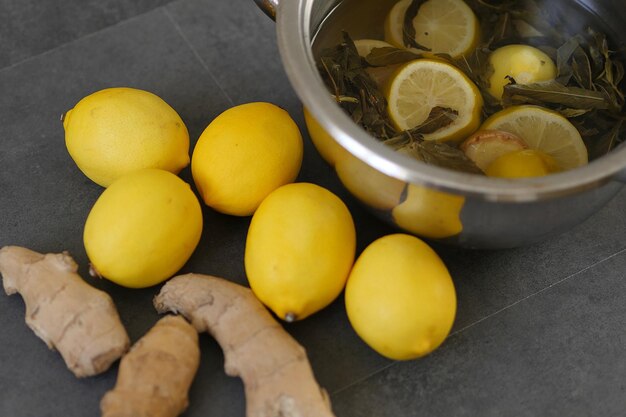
(524, 63)
(443, 26)
(522, 164)
(423, 84)
(542, 130)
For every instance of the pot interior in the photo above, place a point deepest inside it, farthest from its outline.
(365, 19)
(308, 26)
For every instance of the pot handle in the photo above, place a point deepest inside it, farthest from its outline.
(268, 6)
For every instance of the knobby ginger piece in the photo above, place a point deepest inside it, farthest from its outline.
(155, 376)
(274, 368)
(79, 321)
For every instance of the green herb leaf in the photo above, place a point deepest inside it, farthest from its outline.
(382, 57)
(408, 30)
(553, 92)
(445, 156)
(438, 118)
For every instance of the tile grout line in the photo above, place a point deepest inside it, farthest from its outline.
(593, 265)
(86, 36)
(195, 53)
(562, 280)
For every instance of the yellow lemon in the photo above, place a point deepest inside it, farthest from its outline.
(143, 228)
(394, 22)
(443, 26)
(243, 155)
(522, 164)
(430, 213)
(400, 298)
(118, 130)
(544, 130)
(421, 85)
(526, 64)
(299, 250)
(325, 144)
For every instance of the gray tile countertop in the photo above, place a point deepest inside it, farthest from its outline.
(540, 331)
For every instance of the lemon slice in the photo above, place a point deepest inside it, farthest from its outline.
(394, 22)
(421, 85)
(543, 130)
(443, 26)
(365, 46)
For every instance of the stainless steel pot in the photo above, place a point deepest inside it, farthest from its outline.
(453, 207)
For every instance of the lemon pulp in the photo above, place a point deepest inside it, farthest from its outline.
(421, 85)
(443, 26)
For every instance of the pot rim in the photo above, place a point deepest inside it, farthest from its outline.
(294, 34)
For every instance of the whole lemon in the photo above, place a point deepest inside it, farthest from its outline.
(243, 155)
(143, 228)
(118, 130)
(526, 64)
(522, 164)
(400, 298)
(299, 250)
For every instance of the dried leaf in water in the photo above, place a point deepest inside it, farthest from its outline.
(553, 92)
(569, 113)
(438, 118)
(354, 89)
(408, 30)
(381, 57)
(445, 156)
(602, 144)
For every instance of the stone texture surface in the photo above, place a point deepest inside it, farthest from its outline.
(539, 330)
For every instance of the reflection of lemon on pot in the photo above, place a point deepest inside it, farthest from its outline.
(118, 130)
(400, 298)
(421, 85)
(330, 150)
(443, 26)
(143, 228)
(243, 155)
(368, 184)
(524, 63)
(299, 250)
(429, 213)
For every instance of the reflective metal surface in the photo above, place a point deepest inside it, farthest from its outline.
(453, 207)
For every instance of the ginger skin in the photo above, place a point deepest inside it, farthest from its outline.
(79, 321)
(155, 376)
(274, 368)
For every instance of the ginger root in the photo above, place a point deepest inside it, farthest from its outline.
(155, 376)
(274, 368)
(80, 321)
